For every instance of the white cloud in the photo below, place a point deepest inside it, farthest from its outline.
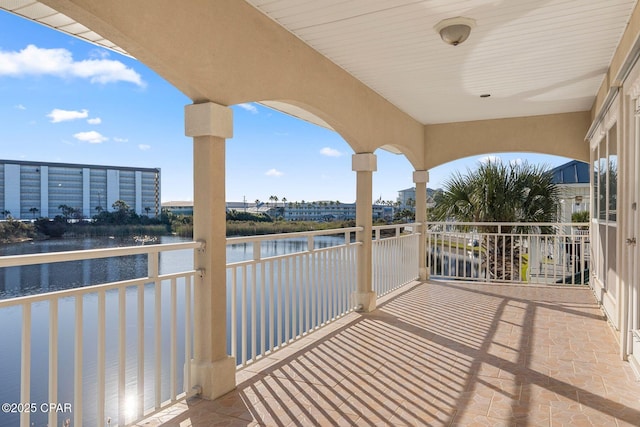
(94, 121)
(36, 61)
(144, 147)
(490, 159)
(92, 137)
(20, 107)
(99, 53)
(274, 172)
(56, 115)
(515, 162)
(249, 107)
(120, 139)
(330, 152)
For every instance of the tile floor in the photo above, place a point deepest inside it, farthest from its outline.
(440, 354)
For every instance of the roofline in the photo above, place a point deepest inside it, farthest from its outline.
(77, 165)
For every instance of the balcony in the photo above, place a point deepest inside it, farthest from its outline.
(442, 352)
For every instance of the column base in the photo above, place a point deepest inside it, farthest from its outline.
(423, 274)
(364, 301)
(214, 378)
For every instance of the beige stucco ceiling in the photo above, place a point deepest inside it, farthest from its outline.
(532, 56)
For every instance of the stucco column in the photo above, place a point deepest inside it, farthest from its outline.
(420, 178)
(211, 368)
(364, 164)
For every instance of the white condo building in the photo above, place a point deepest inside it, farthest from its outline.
(37, 189)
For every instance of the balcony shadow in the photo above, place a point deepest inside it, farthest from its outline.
(440, 354)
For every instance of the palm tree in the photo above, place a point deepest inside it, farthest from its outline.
(34, 211)
(411, 203)
(496, 192)
(67, 211)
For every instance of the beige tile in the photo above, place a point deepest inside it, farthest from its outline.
(440, 354)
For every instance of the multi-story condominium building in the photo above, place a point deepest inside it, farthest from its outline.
(37, 189)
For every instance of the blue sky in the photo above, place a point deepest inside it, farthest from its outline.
(65, 100)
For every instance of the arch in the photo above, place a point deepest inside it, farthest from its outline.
(229, 53)
(557, 134)
(318, 117)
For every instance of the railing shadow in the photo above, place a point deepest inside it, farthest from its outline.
(431, 354)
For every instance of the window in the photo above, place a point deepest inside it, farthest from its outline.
(612, 172)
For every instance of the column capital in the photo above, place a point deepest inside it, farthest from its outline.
(420, 177)
(364, 162)
(208, 119)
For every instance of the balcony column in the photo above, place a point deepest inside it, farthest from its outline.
(420, 178)
(364, 164)
(211, 368)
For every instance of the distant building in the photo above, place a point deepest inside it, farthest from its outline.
(186, 207)
(37, 189)
(573, 181)
(407, 198)
(330, 211)
(179, 207)
(292, 211)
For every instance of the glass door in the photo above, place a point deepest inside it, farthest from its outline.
(630, 219)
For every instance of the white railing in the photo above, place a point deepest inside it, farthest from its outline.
(394, 256)
(275, 300)
(134, 364)
(509, 252)
(115, 353)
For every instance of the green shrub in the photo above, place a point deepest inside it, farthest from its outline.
(581, 216)
(12, 230)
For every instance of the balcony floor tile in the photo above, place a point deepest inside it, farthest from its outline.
(440, 354)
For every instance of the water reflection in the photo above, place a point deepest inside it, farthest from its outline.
(28, 280)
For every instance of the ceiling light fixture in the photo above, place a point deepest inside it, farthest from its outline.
(455, 30)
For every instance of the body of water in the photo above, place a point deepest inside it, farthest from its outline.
(29, 280)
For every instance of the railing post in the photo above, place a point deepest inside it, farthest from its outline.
(420, 178)
(212, 370)
(364, 164)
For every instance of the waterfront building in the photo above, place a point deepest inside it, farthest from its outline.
(179, 207)
(36, 189)
(331, 211)
(292, 211)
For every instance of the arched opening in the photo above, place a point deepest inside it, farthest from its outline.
(519, 217)
(571, 175)
(303, 160)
